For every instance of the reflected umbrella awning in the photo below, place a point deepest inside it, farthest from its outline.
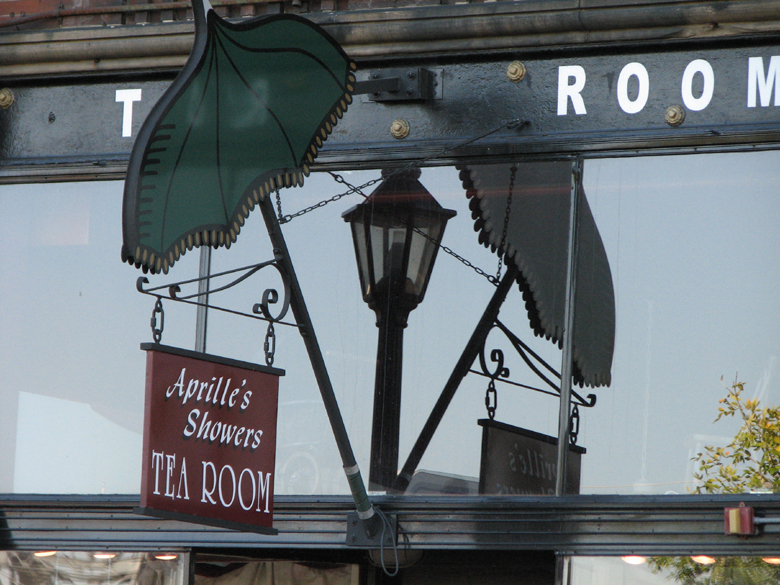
(521, 211)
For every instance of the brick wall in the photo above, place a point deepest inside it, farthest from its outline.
(47, 14)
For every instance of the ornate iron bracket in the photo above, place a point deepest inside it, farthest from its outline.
(534, 362)
(261, 311)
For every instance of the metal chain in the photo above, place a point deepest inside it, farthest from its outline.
(507, 125)
(494, 280)
(158, 309)
(574, 425)
(491, 399)
(324, 202)
(490, 278)
(352, 189)
(269, 346)
(501, 249)
(280, 216)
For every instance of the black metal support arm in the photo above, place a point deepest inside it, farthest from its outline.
(567, 359)
(364, 507)
(398, 85)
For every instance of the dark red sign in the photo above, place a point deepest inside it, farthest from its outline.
(209, 439)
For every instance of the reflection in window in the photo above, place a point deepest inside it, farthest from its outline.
(694, 258)
(691, 247)
(71, 321)
(676, 570)
(91, 568)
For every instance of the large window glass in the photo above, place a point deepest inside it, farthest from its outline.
(694, 265)
(690, 248)
(71, 371)
(695, 260)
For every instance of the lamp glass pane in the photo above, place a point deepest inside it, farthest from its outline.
(387, 249)
(394, 255)
(361, 250)
(377, 242)
(422, 251)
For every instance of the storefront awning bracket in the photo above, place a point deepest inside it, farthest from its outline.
(358, 537)
(402, 84)
(261, 311)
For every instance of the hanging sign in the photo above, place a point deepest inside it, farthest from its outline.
(209, 445)
(516, 461)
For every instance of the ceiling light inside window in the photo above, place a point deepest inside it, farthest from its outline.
(104, 555)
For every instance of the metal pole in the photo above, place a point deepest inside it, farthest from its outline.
(568, 332)
(364, 507)
(201, 317)
(386, 426)
(458, 373)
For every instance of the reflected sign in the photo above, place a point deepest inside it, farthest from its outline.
(517, 461)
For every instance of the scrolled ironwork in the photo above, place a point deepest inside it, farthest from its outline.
(271, 297)
(534, 362)
(491, 395)
(260, 310)
(497, 357)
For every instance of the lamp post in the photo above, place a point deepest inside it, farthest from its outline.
(396, 232)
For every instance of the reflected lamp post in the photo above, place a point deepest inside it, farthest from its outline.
(396, 232)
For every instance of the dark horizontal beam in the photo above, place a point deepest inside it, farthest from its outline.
(577, 525)
(49, 134)
(385, 34)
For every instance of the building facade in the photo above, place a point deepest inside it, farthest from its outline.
(662, 119)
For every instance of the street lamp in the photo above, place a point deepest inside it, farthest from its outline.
(396, 232)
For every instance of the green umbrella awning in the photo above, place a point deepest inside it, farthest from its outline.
(246, 115)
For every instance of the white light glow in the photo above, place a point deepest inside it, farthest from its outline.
(104, 555)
